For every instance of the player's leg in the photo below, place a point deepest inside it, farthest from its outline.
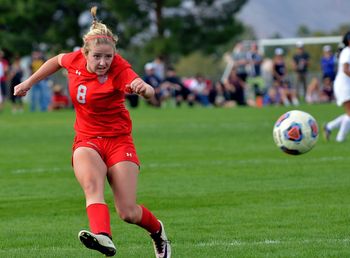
(90, 171)
(304, 84)
(332, 125)
(345, 123)
(123, 180)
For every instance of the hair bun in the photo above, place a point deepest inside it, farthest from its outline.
(93, 12)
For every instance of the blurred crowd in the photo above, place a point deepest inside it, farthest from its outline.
(253, 80)
(44, 96)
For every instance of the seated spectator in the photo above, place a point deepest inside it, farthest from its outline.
(173, 86)
(235, 89)
(200, 88)
(286, 92)
(59, 100)
(281, 93)
(313, 92)
(218, 96)
(327, 94)
(152, 79)
(318, 94)
(272, 97)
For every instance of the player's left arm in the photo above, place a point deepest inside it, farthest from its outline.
(139, 87)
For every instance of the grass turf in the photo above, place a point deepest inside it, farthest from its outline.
(214, 177)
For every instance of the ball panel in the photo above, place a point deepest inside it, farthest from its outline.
(293, 132)
(292, 152)
(314, 128)
(281, 119)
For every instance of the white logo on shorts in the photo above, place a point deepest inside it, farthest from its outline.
(128, 154)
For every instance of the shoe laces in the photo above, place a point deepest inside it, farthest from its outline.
(159, 242)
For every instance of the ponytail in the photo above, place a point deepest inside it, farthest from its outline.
(98, 33)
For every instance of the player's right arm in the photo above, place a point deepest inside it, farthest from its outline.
(49, 67)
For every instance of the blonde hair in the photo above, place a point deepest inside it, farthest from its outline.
(99, 33)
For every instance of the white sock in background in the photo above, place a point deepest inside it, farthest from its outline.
(335, 124)
(344, 128)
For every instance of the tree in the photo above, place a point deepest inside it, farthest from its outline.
(179, 26)
(25, 25)
(303, 31)
(157, 26)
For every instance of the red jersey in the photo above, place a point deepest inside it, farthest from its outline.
(99, 107)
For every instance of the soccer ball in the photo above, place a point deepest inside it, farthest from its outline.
(295, 132)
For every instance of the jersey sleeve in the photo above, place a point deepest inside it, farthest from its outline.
(67, 59)
(124, 78)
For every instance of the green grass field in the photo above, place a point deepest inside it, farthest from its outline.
(214, 177)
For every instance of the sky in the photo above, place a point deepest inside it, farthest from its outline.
(284, 17)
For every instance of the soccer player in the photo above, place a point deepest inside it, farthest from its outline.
(103, 146)
(342, 94)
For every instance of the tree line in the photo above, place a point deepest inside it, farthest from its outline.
(144, 26)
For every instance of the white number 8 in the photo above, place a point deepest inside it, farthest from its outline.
(81, 94)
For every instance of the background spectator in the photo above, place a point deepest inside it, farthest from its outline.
(15, 78)
(152, 79)
(59, 100)
(255, 80)
(240, 61)
(327, 94)
(40, 95)
(1, 95)
(285, 92)
(219, 97)
(320, 93)
(301, 63)
(159, 67)
(255, 60)
(272, 97)
(279, 71)
(3, 74)
(235, 89)
(200, 89)
(328, 63)
(175, 86)
(313, 92)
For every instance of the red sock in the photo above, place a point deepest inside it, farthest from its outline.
(149, 221)
(99, 220)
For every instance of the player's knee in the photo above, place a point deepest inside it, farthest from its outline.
(91, 188)
(128, 214)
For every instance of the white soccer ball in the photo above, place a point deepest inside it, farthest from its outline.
(295, 132)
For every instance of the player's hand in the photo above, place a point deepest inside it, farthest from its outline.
(22, 89)
(137, 86)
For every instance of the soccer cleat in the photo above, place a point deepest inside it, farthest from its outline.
(161, 243)
(98, 242)
(326, 133)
